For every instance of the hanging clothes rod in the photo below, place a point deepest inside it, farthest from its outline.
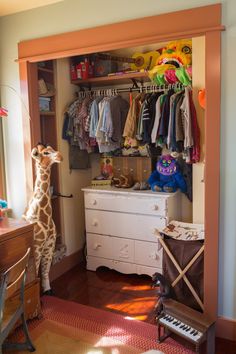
(144, 89)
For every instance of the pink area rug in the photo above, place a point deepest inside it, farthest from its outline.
(68, 327)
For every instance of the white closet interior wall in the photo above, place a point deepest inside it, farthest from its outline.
(72, 210)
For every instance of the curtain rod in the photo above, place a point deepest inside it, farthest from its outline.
(141, 89)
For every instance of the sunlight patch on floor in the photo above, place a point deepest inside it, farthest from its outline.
(139, 318)
(107, 342)
(135, 308)
(137, 287)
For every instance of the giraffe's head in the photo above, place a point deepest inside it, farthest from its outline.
(45, 155)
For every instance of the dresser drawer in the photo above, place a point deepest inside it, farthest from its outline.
(98, 245)
(129, 203)
(141, 269)
(123, 267)
(139, 227)
(94, 263)
(147, 253)
(123, 249)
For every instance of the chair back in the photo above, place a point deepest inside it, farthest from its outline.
(12, 280)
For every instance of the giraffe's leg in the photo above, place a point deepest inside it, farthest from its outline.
(39, 240)
(46, 260)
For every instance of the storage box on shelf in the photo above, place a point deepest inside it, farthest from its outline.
(44, 104)
(120, 228)
(88, 66)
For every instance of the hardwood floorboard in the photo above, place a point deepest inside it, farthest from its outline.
(127, 295)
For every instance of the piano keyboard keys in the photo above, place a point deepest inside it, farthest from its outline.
(181, 327)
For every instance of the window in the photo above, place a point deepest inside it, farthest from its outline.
(2, 170)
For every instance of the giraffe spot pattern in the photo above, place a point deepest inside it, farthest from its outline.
(45, 177)
(44, 201)
(44, 186)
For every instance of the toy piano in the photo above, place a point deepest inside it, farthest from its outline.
(190, 324)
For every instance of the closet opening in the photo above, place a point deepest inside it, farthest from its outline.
(108, 39)
(70, 90)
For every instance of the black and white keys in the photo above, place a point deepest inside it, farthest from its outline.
(181, 327)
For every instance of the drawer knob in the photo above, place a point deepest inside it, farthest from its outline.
(156, 232)
(155, 207)
(153, 255)
(94, 223)
(94, 202)
(96, 246)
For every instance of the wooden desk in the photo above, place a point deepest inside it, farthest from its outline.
(15, 237)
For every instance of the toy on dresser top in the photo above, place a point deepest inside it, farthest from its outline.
(106, 169)
(167, 177)
(123, 181)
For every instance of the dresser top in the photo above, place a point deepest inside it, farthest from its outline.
(127, 191)
(12, 227)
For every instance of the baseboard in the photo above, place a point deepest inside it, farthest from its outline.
(226, 328)
(65, 264)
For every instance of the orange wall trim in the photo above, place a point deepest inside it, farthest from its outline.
(226, 328)
(197, 21)
(178, 24)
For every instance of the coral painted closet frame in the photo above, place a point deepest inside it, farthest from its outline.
(201, 21)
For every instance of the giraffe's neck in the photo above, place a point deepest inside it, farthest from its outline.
(40, 205)
(42, 183)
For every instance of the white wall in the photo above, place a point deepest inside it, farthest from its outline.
(73, 15)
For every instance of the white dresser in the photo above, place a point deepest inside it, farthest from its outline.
(120, 228)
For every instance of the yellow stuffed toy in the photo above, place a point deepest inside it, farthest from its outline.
(174, 64)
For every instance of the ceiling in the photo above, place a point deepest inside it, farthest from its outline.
(8, 7)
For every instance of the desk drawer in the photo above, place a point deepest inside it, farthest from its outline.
(139, 227)
(13, 249)
(152, 205)
(31, 300)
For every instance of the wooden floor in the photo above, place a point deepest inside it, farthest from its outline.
(128, 295)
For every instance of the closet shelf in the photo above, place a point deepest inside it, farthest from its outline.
(46, 70)
(47, 113)
(113, 79)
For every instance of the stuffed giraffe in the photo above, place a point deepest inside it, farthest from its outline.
(39, 211)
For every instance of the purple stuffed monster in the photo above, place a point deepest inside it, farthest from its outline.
(167, 177)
